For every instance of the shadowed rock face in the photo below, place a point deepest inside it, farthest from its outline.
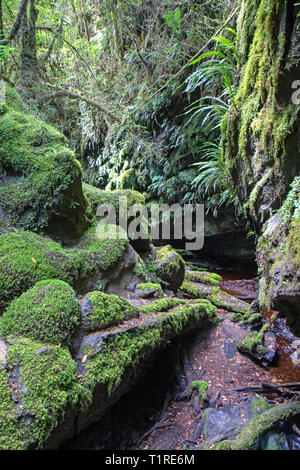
(262, 142)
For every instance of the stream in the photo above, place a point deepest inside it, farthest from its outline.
(150, 416)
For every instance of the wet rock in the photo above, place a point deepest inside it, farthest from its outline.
(229, 350)
(275, 441)
(226, 423)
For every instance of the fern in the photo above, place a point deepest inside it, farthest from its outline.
(217, 72)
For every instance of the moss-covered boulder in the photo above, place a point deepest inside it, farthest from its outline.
(101, 310)
(48, 312)
(253, 435)
(37, 387)
(96, 197)
(27, 258)
(40, 185)
(170, 267)
(149, 289)
(124, 200)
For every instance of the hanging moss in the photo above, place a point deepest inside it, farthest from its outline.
(257, 129)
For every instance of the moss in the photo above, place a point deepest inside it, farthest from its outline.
(98, 197)
(48, 312)
(128, 179)
(254, 343)
(203, 277)
(42, 176)
(253, 320)
(107, 310)
(170, 267)
(257, 129)
(198, 386)
(161, 305)
(278, 256)
(146, 287)
(191, 289)
(45, 386)
(259, 425)
(27, 258)
(128, 350)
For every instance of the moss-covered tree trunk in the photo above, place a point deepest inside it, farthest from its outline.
(262, 142)
(29, 63)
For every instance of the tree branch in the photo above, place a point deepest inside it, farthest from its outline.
(64, 92)
(16, 26)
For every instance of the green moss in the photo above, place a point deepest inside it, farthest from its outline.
(98, 197)
(191, 289)
(126, 351)
(45, 387)
(128, 179)
(150, 286)
(203, 277)
(43, 176)
(107, 310)
(198, 386)
(254, 343)
(161, 305)
(27, 258)
(48, 312)
(256, 131)
(170, 267)
(261, 424)
(249, 319)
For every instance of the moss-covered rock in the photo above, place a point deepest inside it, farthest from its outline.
(200, 387)
(203, 277)
(149, 289)
(278, 255)
(261, 139)
(42, 394)
(101, 310)
(48, 312)
(250, 436)
(125, 349)
(40, 188)
(161, 305)
(27, 258)
(96, 197)
(261, 132)
(170, 267)
(37, 387)
(216, 297)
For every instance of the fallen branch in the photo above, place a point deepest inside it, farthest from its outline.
(270, 388)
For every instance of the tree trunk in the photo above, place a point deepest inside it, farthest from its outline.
(29, 64)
